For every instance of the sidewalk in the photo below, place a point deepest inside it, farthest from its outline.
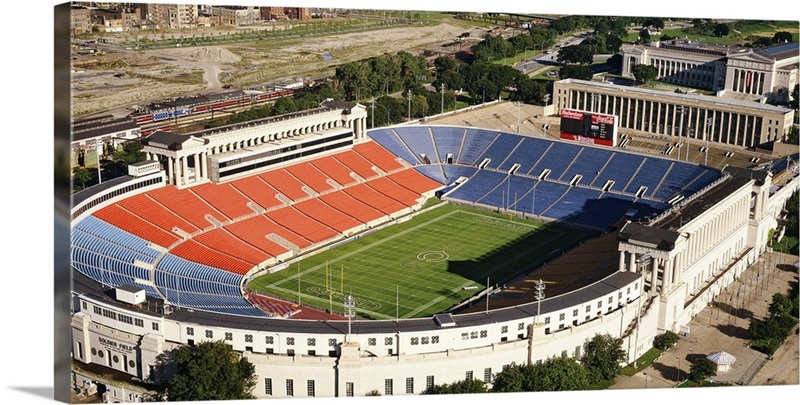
(724, 326)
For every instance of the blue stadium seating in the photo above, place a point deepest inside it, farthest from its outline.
(557, 158)
(499, 150)
(572, 204)
(432, 171)
(605, 211)
(448, 140)
(453, 172)
(512, 190)
(483, 182)
(582, 203)
(526, 154)
(389, 140)
(620, 169)
(419, 141)
(649, 175)
(679, 177)
(587, 164)
(475, 142)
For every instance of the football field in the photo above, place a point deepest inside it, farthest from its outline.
(421, 266)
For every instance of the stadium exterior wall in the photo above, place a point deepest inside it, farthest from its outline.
(635, 304)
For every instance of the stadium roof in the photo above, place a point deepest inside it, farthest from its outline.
(92, 128)
(660, 239)
(167, 140)
(780, 52)
(674, 220)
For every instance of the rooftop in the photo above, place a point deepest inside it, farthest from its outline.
(679, 97)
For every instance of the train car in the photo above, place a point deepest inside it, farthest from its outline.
(202, 104)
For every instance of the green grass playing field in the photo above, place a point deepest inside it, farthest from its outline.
(426, 261)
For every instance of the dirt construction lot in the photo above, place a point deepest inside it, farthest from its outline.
(148, 75)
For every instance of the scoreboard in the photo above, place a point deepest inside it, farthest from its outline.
(589, 127)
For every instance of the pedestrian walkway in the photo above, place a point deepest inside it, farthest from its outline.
(724, 326)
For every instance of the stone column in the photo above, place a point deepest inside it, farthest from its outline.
(622, 261)
(185, 167)
(653, 263)
(170, 171)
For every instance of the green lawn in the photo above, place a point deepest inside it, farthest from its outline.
(427, 261)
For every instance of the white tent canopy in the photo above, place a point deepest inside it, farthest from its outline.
(722, 358)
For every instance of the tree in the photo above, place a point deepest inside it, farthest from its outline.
(603, 356)
(131, 152)
(665, 340)
(780, 307)
(576, 72)
(721, 30)
(793, 100)
(207, 371)
(644, 73)
(468, 386)
(701, 369)
(81, 175)
(615, 62)
(793, 138)
(782, 36)
(512, 379)
(576, 54)
(558, 374)
(644, 35)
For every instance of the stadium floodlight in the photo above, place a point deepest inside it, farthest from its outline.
(349, 312)
(539, 295)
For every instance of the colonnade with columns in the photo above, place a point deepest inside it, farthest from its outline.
(691, 73)
(199, 146)
(650, 263)
(726, 121)
(748, 81)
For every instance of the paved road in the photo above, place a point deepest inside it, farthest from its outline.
(724, 327)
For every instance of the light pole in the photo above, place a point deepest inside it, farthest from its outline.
(373, 113)
(645, 380)
(409, 105)
(442, 98)
(707, 134)
(680, 130)
(544, 112)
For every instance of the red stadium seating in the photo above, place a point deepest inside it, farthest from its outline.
(351, 206)
(327, 215)
(241, 245)
(148, 209)
(379, 156)
(222, 240)
(310, 176)
(335, 169)
(257, 190)
(356, 163)
(199, 253)
(124, 219)
(255, 230)
(391, 189)
(262, 226)
(224, 197)
(285, 183)
(414, 181)
(294, 220)
(187, 205)
(374, 199)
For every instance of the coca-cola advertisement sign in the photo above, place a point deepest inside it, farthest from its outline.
(588, 127)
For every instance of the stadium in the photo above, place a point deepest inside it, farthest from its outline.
(341, 260)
